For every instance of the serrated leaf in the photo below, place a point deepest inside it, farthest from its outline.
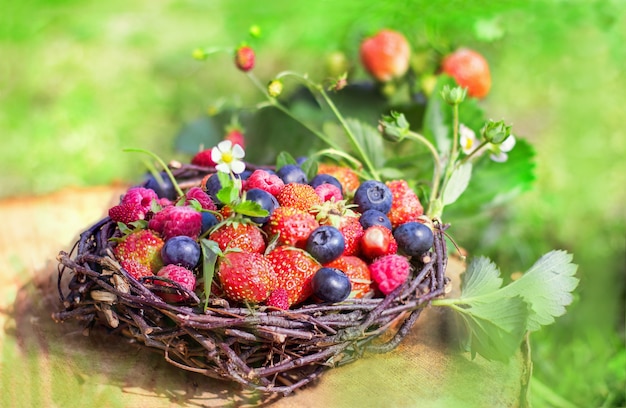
(250, 209)
(547, 287)
(494, 327)
(481, 277)
(459, 180)
(369, 139)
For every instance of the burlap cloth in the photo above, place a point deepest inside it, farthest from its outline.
(45, 364)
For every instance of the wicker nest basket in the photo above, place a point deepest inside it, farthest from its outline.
(264, 349)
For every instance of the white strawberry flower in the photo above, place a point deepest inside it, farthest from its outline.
(499, 152)
(469, 143)
(468, 139)
(228, 157)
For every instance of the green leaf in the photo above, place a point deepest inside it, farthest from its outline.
(369, 139)
(210, 252)
(547, 287)
(438, 117)
(481, 277)
(250, 209)
(283, 159)
(458, 183)
(310, 168)
(494, 327)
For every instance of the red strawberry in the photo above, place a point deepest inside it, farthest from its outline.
(196, 193)
(339, 215)
(177, 220)
(378, 241)
(203, 158)
(300, 196)
(352, 231)
(357, 270)
(405, 205)
(386, 55)
(139, 253)
(247, 237)
(246, 276)
(235, 135)
(264, 180)
(348, 179)
(470, 70)
(390, 271)
(294, 269)
(244, 58)
(278, 299)
(183, 276)
(293, 226)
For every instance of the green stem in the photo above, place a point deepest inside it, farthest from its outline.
(474, 152)
(436, 171)
(162, 163)
(275, 103)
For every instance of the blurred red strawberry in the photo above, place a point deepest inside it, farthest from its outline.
(386, 55)
(470, 70)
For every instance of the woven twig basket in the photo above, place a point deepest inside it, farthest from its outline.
(265, 349)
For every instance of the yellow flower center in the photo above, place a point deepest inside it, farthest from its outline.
(468, 143)
(227, 157)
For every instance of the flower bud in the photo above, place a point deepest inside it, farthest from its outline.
(453, 96)
(255, 31)
(199, 54)
(275, 88)
(394, 127)
(244, 58)
(495, 132)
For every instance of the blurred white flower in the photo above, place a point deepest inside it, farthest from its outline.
(467, 139)
(228, 157)
(499, 152)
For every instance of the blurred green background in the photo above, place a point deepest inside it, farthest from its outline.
(81, 80)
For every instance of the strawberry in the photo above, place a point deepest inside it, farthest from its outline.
(389, 272)
(203, 158)
(235, 135)
(347, 177)
(405, 205)
(205, 201)
(300, 196)
(294, 269)
(139, 253)
(378, 241)
(278, 299)
(177, 220)
(385, 55)
(264, 180)
(357, 270)
(339, 215)
(244, 58)
(246, 237)
(470, 70)
(352, 231)
(293, 226)
(181, 275)
(246, 276)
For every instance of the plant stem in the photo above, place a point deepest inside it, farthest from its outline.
(474, 152)
(275, 103)
(436, 171)
(162, 163)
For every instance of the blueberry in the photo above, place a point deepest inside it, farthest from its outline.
(326, 243)
(164, 189)
(181, 250)
(331, 285)
(374, 217)
(212, 186)
(413, 238)
(325, 178)
(373, 195)
(209, 220)
(301, 159)
(245, 174)
(265, 200)
(292, 173)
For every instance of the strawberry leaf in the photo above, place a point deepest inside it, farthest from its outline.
(210, 251)
(370, 141)
(309, 166)
(250, 209)
(458, 183)
(284, 159)
(494, 319)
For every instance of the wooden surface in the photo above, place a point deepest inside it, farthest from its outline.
(54, 365)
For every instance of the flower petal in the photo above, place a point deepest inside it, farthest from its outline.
(225, 145)
(216, 155)
(508, 144)
(223, 168)
(499, 157)
(238, 152)
(238, 166)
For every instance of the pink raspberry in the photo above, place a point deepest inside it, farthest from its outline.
(264, 180)
(196, 193)
(134, 205)
(390, 271)
(327, 192)
(177, 220)
(183, 276)
(279, 298)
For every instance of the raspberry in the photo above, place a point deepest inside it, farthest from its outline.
(134, 205)
(266, 181)
(177, 220)
(389, 272)
(327, 192)
(196, 193)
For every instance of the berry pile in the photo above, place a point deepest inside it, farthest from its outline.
(280, 239)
